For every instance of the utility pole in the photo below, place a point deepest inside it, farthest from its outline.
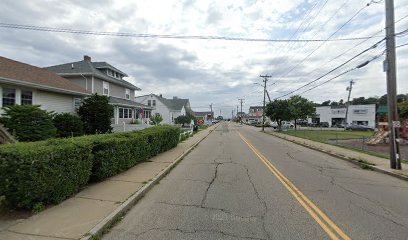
(212, 114)
(265, 80)
(237, 111)
(220, 112)
(391, 69)
(349, 88)
(241, 100)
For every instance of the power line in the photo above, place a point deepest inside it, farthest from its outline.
(334, 69)
(328, 39)
(163, 36)
(345, 72)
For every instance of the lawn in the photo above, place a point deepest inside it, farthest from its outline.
(326, 135)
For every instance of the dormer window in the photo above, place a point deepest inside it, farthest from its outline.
(127, 94)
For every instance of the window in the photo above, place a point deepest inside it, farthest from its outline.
(77, 102)
(106, 88)
(147, 114)
(26, 98)
(360, 111)
(149, 103)
(127, 94)
(125, 113)
(153, 103)
(9, 97)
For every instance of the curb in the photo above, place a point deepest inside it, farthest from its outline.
(360, 164)
(109, 220)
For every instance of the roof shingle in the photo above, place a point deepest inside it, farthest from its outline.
(29, 74)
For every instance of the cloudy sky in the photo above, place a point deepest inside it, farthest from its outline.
(215, 71)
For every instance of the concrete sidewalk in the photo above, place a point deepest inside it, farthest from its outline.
(362, 159)
(97, 205)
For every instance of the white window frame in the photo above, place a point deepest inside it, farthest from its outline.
(32, 97)
(127, 94)
(76, 104)
(125, 112)
(15, 96)
(105, 86)
(154, 103)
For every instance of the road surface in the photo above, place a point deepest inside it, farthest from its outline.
(240, 183)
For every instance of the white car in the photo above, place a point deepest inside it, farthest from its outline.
(287, 125)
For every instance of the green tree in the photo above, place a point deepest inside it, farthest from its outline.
(278, 111)
(183, 119)
(326, 103)
(300, 108)
(403, 107)
(96, 114)
(383, 100)
(28, 122)
(68, 125)
(156, 119)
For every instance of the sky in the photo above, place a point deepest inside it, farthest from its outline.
(214, 71)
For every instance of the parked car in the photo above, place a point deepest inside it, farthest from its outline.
(286, 124)
(274, 125)
(324, 124)
(312, 124)
(355, 127)
(339, 125)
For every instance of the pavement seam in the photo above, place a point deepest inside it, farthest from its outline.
(38, 235)
(96, 199)
(134, 198)
(375, 168)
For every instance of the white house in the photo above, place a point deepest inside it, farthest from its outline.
(357, 114)
(24, 84)
(169, 109)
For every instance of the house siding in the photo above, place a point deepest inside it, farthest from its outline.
(80, 82)
(58, 103)
(160, 108)
(98, 86)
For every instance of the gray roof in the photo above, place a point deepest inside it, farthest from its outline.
(127, 103)
(90, 68)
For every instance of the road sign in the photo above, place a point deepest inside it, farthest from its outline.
(396, 124)
(200, 121)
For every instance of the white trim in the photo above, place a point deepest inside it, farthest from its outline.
(93, 91)
(18, 96)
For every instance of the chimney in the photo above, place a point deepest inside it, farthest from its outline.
(87, 58)
(161, 95)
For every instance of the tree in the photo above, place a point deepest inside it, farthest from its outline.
(156, 119)
(68, 125)
(96, 114)
(183, 119)
(278, 111)
(28, 122)
(300, 108)
(383, 100)
(403, 107)
(326, 103)
(334, 103)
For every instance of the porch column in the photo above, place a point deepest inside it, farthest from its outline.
(116, 115)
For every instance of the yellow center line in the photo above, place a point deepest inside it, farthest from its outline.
(308, 205)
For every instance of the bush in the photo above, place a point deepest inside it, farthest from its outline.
(68, 125)
(96, 114)
(39, 173)
(28, 123)
(34, 174)
(117, 152)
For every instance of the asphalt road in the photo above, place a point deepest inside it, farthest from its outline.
(240, 183)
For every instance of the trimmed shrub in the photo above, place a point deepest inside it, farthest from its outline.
(115, 153)
(68, 125)
(45, 172)
(28, 123)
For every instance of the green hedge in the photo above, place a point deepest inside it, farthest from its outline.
(115, 153)
(47, 172)
(43, 172)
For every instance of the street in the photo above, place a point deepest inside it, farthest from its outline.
(240, 183)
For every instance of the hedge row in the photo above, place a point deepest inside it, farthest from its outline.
(50, 171)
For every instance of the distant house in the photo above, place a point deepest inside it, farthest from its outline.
(24, 84)
(205, 116)
(104, 79)
(169, 109)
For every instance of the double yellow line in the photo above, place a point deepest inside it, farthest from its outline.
(325, 223)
